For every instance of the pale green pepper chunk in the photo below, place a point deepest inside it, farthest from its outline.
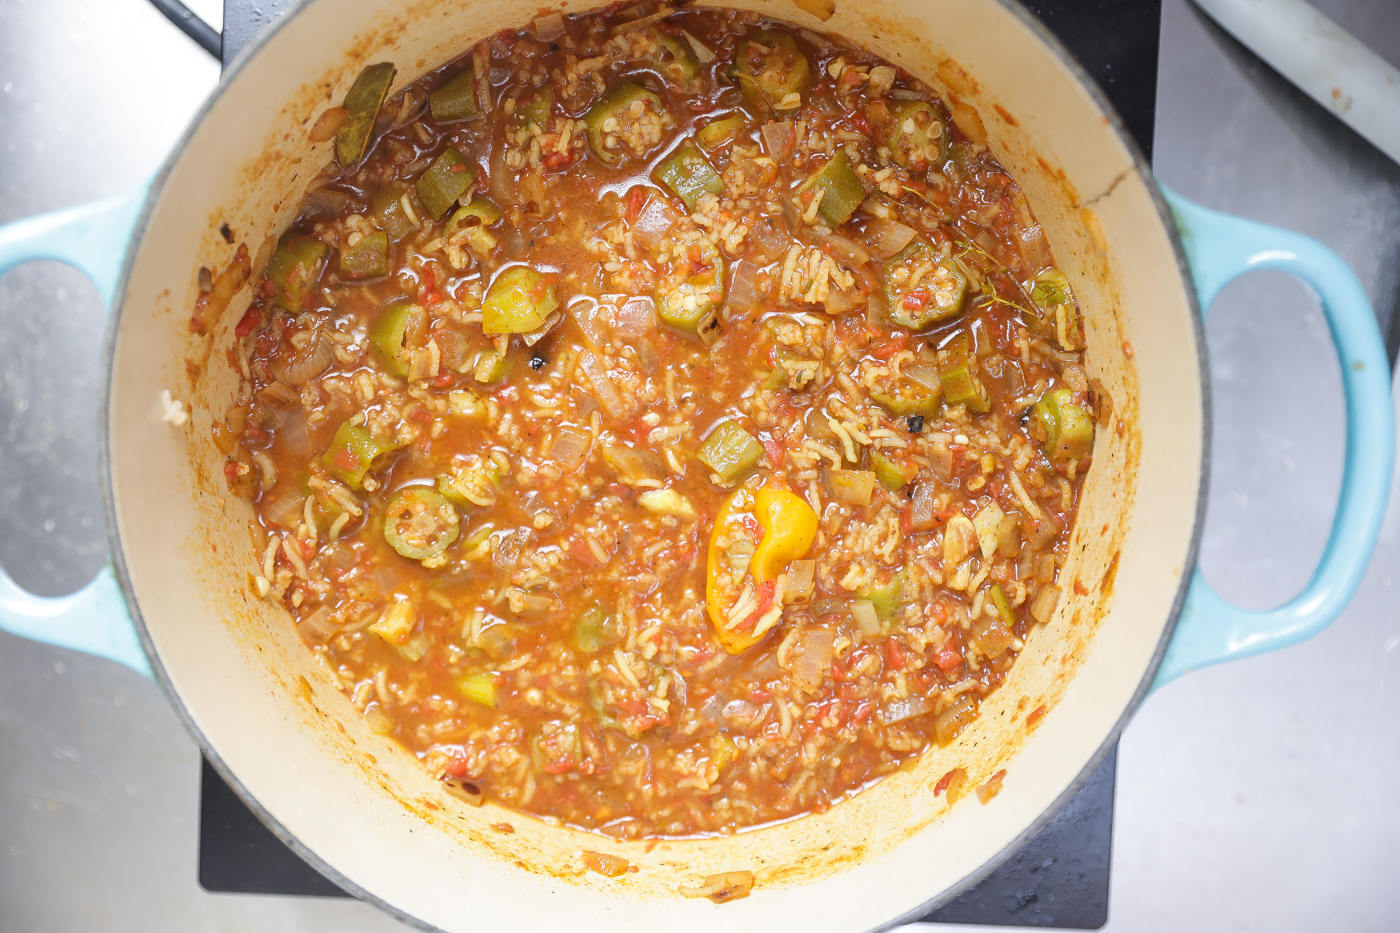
(595, 630)
(481, 212)
(352, 453)
(387, 205)
(481, 688)
(730, 452)
(294, 269)
(519, 301)
(473, 484)
(888, 598)
(491, 366)
(1057, 312)
(1002, 605)
(362, 101)
(368, 258)
(906, 397)
(718, 132)
(446, 180)
(921, 288)
(689, 175)
(891, 475)
(1067, 428)
(677, 61)
(960, 383)
(535, 109)
(771, 70)
(839, 189)
(400, 329)
(455, 99)
(613, 106)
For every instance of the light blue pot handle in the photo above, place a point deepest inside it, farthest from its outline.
(93, 238)
(1220, 248)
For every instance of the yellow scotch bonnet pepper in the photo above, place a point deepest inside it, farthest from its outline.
(745, 562)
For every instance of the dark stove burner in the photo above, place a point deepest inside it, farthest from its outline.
(1058, 879)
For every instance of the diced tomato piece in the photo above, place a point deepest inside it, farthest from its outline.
(249, 323)
(774, 450)
(894, 655)
(456, 766)
(864, 710)
(945, 781)
(890, 347)
(560, 765)
(636, 200)
(948, 658)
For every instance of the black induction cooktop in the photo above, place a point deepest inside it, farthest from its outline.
(1060, 877)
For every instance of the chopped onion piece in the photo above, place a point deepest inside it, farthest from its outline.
(887, 237)
(633, 465)
(743, 287)
(654, 221)
(603, 385)
(571, 446)
(549, 26)
(666, 502)
(907, 708)
(317, 628)
(588, 315)
(285, 510)
(812, 659)
(924, 374)
(863, 611)
(778, 139)
(739, 553)
(726, 886)
(801, 581)
(1043, 606)
(923, 506)
(636, 317)
(380, 722)
(771, 240)
(502, 182)
(641, 21)
(324, 201)
(849, 487)
(702, 51)
(843, 246)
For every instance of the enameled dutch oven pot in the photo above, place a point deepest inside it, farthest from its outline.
(362, 812)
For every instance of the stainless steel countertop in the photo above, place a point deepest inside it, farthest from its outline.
(1256, 795)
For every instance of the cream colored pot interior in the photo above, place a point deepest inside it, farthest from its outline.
(295, 745)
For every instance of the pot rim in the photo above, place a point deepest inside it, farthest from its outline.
(1140, 166)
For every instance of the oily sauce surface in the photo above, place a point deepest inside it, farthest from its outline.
(772, 291)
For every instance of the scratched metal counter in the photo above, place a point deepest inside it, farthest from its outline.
(1254, 795)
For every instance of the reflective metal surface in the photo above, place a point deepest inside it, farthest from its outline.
(1251, 796)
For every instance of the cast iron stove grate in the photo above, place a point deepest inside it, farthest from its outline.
(1058, 879)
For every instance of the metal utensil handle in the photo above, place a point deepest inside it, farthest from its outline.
(1220, 248)
(1325, 61)
(93, 238)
